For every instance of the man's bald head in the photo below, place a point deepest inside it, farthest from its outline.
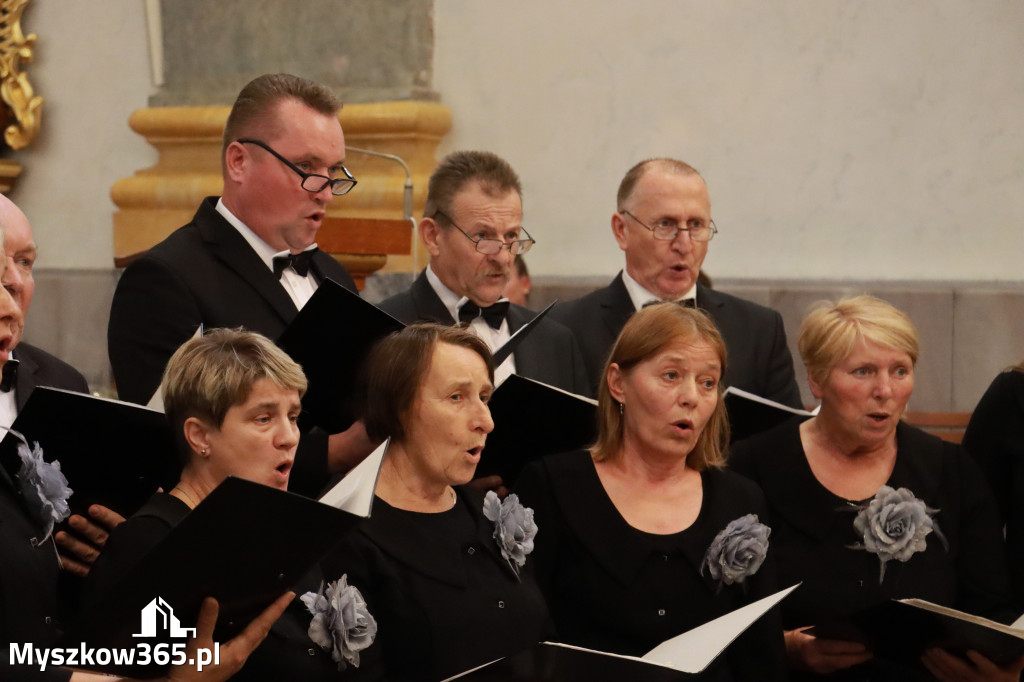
(21, 254)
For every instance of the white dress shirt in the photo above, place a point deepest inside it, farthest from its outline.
(642, 297)
(8, 406)
(299, 288)
(494, 338)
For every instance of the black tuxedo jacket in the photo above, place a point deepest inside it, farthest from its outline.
(549, 354)
(203, 273)
(36, 367)
(995, 437)
(758, 358)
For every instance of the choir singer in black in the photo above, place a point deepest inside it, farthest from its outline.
(866, 508)
(639, 534)
(446, 571)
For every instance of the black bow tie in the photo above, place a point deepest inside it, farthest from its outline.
(299, 262)
(492, 314)
(685, 302)
(10, 376)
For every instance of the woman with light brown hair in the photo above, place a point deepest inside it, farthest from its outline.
(645, 536)
(866, 508)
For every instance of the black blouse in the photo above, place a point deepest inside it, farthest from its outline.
(444, 599)
(614, 588)
(813, 533)
(286, 653)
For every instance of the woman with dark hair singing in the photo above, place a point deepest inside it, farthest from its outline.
(446, 572)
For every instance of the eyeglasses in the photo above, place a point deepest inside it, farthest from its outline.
(669, 229)
(491, 247)
(311, 182)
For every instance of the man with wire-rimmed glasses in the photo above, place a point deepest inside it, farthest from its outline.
(663, 225)
(249, 257)
(473, 229)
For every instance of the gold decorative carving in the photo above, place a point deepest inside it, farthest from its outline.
(157, 200)
(9, 173)
(16, 91)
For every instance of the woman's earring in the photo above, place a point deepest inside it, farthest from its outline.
(622, 408)
(203, 451)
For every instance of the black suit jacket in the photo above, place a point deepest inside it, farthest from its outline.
(36, 367)
(758, 358)
(995, 437)
(203, 273)
(549, 354)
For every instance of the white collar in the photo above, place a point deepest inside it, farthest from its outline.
(641, 297)
(264, 250)
(451, 301)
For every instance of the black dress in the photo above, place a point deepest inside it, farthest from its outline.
(444, 599)
(995, 438)
(286, 653)
(813, 531)
(614, 588)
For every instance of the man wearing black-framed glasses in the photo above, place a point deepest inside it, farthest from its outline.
(663, 226)
(249, 257)
(473, 229)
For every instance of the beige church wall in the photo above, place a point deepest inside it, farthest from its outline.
(862, 146)
(866, 139)
(848, 146)
(869, 140)
(91, 66)
(92, 69)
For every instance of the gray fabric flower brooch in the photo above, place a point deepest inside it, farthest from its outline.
(341, 622)
(738, 551)
(893, 525)
(514, 528)
(43, 487)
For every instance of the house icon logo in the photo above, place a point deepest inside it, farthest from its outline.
(158, 618)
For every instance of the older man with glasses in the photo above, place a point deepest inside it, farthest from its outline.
(473, 229)
(249, 257)
(663, 224)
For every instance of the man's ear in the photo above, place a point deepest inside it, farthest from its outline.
(619, 229)
(430, 232)
(236, 161)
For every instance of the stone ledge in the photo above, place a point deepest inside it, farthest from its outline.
(969, 330)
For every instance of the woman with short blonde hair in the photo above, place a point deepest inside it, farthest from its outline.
(831, 480)
(233, 400)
